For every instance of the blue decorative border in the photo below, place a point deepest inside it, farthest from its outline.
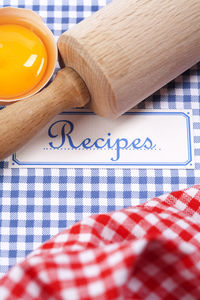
(114, 164)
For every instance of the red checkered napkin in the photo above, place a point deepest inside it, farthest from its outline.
(150, 252)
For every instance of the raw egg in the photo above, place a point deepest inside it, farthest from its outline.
(23, 61)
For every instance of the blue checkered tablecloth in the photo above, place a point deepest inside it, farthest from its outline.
(35, 204)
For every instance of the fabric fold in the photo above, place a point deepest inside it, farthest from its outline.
(150, 251)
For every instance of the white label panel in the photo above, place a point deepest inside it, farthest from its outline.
(138, 139)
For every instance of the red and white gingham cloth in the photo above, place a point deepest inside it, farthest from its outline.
(149, 252)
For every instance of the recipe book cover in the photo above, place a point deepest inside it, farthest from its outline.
(137, 139)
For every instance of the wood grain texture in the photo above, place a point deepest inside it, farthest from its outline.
(130, 49)
(20, 121)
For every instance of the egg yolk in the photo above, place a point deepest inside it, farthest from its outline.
(23, 61)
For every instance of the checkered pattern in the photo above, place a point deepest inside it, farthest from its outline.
(62, 14)
(36, 204)
(151, 251)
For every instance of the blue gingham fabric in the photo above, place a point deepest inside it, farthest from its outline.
(35, 204)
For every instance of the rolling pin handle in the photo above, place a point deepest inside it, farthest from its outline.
(21, 121)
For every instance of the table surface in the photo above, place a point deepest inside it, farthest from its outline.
(35, 204)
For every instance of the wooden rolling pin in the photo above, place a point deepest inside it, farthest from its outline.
(123, 53)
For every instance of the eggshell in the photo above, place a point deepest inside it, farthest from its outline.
(29, 19)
